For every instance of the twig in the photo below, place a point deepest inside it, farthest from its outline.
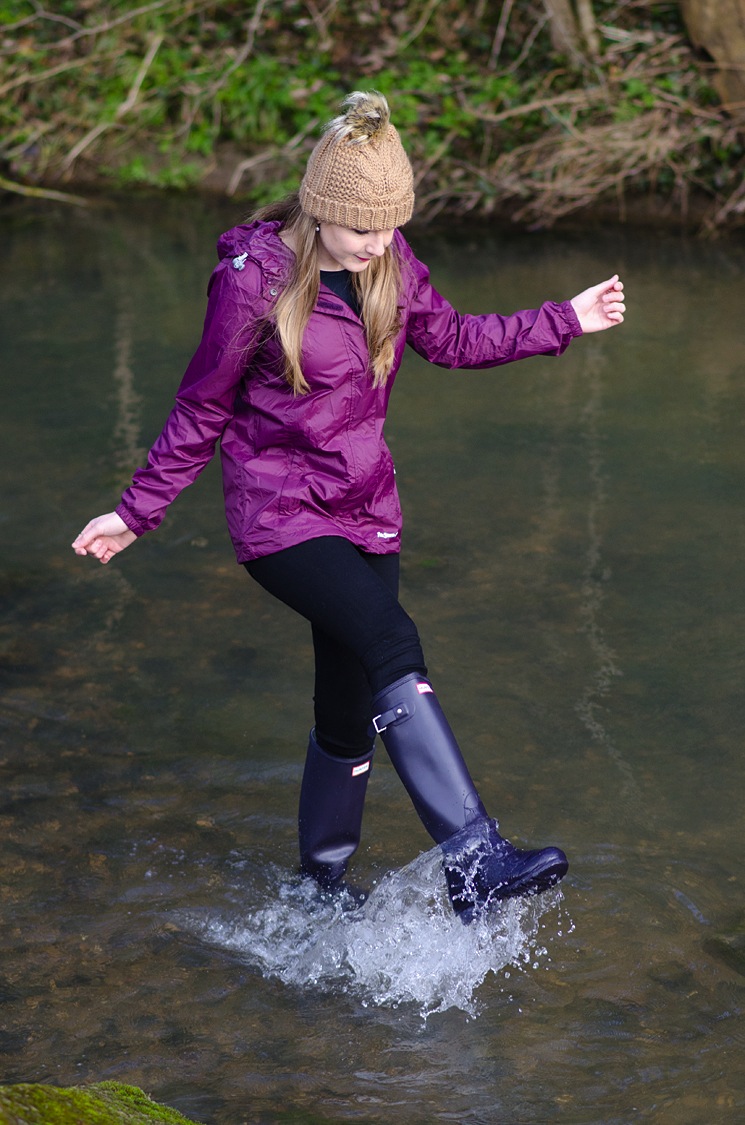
(41, 193)
(28, 141)
(588, 26)
(735, 205)
(320, 19)
(418, 27)
(97, 29)
(537, 28)
(131, 98)
(39, 14)
(244, 166)
(262, 157)
(240, 58)
(25, 79)
(686, 105)
(83, 144)
(124, 107)
(245, 51)
(441, 148)
(574, 97)
(627, 38)
(496, 47)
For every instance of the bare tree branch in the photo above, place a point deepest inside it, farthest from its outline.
(41, 193)
(42, 76)
(588, 26)
(124, 107)
(320, 19)
(245, 51)
(262, 157)
(563, 27)
(572, 97)
(40, 14)
(419, 26)
(504, 19)
(99, 28)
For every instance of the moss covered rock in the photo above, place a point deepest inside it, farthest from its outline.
(106, 1103)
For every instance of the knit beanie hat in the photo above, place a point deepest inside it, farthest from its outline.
(358, 175)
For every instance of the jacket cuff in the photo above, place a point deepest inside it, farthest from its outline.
(131, 520)
(570, 316)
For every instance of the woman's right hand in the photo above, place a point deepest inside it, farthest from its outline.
(104, 537)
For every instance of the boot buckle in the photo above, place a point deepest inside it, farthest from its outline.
(387, 718)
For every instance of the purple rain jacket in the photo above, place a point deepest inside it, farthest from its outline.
(296, 467)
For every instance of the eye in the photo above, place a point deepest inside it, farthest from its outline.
(360, 231)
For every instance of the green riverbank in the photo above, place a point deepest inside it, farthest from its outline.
(502, 116)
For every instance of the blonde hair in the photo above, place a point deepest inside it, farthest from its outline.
(378, 287)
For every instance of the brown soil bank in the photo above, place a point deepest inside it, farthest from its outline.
(534, 112)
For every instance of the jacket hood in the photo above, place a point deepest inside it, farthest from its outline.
(259, 240)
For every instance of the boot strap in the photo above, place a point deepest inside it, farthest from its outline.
(387, 718)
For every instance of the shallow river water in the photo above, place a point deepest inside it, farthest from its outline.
(573, 557)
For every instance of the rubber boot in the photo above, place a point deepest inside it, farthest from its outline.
(480, 866)
(332, 797)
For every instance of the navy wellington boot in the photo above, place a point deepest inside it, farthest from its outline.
(332, 797)
(481, 867)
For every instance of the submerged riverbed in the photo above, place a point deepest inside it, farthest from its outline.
(572, 555)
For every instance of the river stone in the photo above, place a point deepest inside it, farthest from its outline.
(105, 1103)
(728, 944)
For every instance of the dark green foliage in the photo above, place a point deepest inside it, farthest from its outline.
(232, 95)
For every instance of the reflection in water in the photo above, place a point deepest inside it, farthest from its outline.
(128, 454)
(594, 581)
(573, 555)
(100, 637)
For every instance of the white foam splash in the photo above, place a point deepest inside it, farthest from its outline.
(404, 945)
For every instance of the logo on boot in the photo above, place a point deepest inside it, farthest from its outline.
(357, 770)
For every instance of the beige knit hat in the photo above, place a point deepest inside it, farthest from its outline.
(358, 174)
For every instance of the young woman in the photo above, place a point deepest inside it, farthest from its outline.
(310, 309)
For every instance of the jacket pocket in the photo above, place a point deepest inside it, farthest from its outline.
(288, 501)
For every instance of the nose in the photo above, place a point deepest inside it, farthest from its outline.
(378, 242)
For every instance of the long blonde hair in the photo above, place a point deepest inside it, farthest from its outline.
(378, 287)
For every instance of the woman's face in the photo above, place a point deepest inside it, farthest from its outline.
(340, 248)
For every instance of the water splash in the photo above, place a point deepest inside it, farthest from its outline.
(404, 945)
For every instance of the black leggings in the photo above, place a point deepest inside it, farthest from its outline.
(362, 637)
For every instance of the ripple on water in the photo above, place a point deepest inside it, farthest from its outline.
(404, 945)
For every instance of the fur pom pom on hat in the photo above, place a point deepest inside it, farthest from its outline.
(358, 175)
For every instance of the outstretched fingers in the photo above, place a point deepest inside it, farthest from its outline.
(613, 302)
(601, 306)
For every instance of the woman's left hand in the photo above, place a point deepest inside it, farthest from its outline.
(601, 306)
(104, 537)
